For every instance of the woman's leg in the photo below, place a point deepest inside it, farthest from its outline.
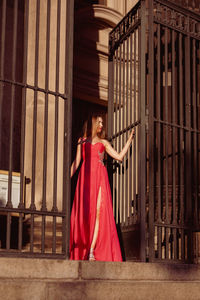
(96, 227)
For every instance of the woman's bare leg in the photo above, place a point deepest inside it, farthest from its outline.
(96, 227)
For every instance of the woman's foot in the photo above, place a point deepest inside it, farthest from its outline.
(91, 255)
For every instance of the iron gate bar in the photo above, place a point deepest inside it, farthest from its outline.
(151, 131)
(120, 105)
(54, 208)
(9, 203)
(123, 140)
(131, 121)
(33, 207)
(23, 120)
(115, 202)
(133, 124)
(159, 142)
(166, 128)
(44, 202)
(34, 88)
(3, 32)
(185, 128)
(194, 125)
(68, 124)
(142, 133)
(31, 211)
(188, 143)
(126, 119)
(44, 206)
(134, 145)
(174, 216)
(181, 139)
(13, 92)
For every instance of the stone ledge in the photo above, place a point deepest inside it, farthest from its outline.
(28, 268)
(64, 270)
(140, 271)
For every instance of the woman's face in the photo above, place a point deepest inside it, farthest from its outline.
(98, 124)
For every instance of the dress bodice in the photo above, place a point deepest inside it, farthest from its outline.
(93, 152)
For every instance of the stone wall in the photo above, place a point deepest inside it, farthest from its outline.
(44, 279)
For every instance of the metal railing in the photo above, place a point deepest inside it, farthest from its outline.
(35, 104)
(154, 71)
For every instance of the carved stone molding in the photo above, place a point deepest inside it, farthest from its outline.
(106, 15)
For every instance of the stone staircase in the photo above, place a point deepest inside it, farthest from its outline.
(42, 279)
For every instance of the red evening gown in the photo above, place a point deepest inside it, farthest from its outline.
(92, 176)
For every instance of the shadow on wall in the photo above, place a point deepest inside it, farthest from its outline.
(86, 73)
(6, 88)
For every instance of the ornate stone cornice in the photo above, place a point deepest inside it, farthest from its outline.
(106, 15)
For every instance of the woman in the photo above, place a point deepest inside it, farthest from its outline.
(93, 233)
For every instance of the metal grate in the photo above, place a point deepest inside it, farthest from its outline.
(35, 81)
(127, 111)
(154, 86)
(174, 132)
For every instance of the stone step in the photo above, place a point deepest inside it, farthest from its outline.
(42, 279)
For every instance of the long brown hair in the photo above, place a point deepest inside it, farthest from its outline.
(87, 127)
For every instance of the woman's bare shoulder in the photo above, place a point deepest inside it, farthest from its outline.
(105, 142)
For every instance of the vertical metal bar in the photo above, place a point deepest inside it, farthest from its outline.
(134, 118)
(198, 124)
(142, 133)
(115, 191)
(174, 146)
(181, 145)
(23, 113)
(126, 135)
(56, 109)
(8, 230)
(2, 61)
(158, 104)
(32, 233)
(195, 145)
(44, 206)
(33, 207)
(188, 192)
(166, 128)
(20, 230)
(110, 92)
(67, 124)
(131, 121)
(120, 106)
(54, 235)
(123, 140)
(181, 138)
(14, 54)
(111, 87)
(43, 234)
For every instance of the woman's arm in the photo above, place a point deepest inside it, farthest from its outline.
(114, 154)
(77, 160)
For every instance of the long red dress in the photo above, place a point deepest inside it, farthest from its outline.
(92, 176)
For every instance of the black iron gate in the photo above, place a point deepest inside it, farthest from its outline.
(36, 55)
(155, 87)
